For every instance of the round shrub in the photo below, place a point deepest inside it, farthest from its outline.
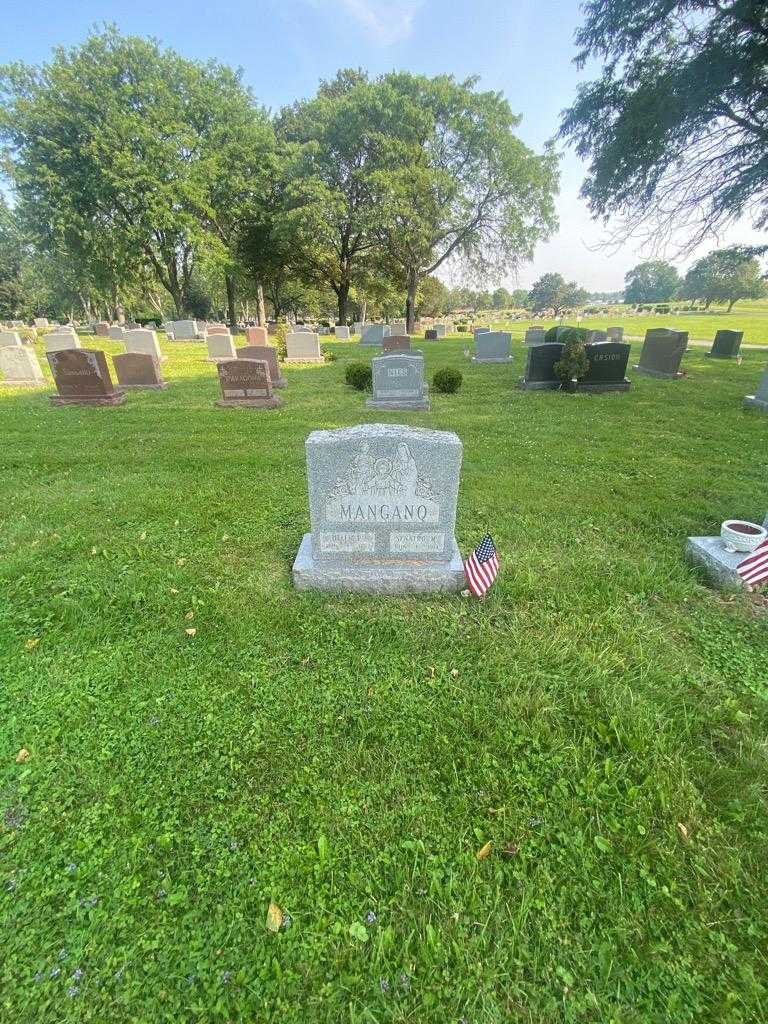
(447, 380)
(328, 355)
(565, 334)
(359, 376)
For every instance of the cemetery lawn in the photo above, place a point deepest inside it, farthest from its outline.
(600, 719)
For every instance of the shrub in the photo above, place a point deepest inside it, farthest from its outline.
(447, 380)
(662, 309)
(330, 357)
(563, 333)
(461, 328)
(573, 363)
(279, 337)
(359, 376)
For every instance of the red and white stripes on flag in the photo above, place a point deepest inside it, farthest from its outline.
(482, 566)
(754, 568)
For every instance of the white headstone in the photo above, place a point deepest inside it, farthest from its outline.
(58, 341)
(10, 339)
(41, 321)
(341, 332)
(220, 346)
(144, 342)
(184, 330)
(116, 333)
(303, 347)
(19, 368)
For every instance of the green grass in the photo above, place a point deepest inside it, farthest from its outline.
(343, 755)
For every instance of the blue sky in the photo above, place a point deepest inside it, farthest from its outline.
(523, 48)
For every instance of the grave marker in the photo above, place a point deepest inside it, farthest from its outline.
(61, 341)
(246, 383)
(373, 334)
(662, 352)
(398, 382)
(535, 336)
(539, 368)
(726, 345)
(220, 346)
(116, 333)
(138, 370)
(382, 503)
(10, 339)
(82, 377)
(342, 332)
(256, 335)
(396, 343)
(493, 347)
(607, 367)
(268, 355)
(143, 341)
(760, 399)
(303, 347)
(19, 367)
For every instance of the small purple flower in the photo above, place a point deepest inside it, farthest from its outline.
(77, 974)
(71, 868)
(225, 977)
(370, 917)
(384, 985)
(73, 991)
(405, 980)
(54, 972)
(63, 954)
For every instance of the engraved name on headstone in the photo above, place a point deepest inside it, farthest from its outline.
(82, 377)
(246, 382)
(398, 382)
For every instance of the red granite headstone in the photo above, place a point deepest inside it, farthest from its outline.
(246, 382)
(256, 335)
(82, 377)
(396, 343)
(138, 370)
(269, 356)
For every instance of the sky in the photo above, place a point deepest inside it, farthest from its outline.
(523, 48)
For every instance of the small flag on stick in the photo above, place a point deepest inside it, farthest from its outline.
(754, 568)
(482, 566)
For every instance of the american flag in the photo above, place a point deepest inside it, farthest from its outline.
(754, 568)
(482, 566)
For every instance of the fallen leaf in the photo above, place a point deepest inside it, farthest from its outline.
(175, 522)
(22, 756)
(454, 673)
(484, 851)
(191, 632)
(190, 615)
(431, 671)
(32, 642)
(274, 917)
(682, 830)
(511, 850)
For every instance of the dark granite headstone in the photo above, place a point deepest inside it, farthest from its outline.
(246, 382)
(726, 345)
(539, 368)
(662, 352)
(138, 370)
(607, 367)
(82, 377)
(396, 343)
(269, 355)
(430, 335)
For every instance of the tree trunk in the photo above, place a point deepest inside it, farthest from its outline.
(410, 302)
(731, 304)
(261, 317)
(342, 294)
(229, 281)
(364, 309)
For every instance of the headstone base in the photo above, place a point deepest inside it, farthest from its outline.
(250, 403)
(501, 359)
(116, 399)
(538, 385)
(307, 360)
(658, 373)
(720, 565)
(23, 383)
(753, 402)
(281, 382)
(413, 577)
(403, 404)
(597, 389)
(718, 355)
(146, 387)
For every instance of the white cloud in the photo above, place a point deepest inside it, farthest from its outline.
(384, 22)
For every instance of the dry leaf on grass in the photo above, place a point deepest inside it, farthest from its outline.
(274, 917)
(174, 590)
(190, 615)
(181, 561)
(22, 756)
(681, 828)
(484, 851)
(143, 536)
(191, 632)
(32, 642)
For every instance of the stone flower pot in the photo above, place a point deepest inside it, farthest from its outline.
(739, 535)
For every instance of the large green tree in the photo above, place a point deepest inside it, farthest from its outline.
(652, 281)
(552, 291)
(676, 128)
(11, 256)
(460, 186)
(727, 275)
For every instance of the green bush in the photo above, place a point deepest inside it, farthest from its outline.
(330, 357)
(447, 380)
(563, 333)
(359, 376)
(573, 363)
(280, 339)
(662, 309)
(461, 328)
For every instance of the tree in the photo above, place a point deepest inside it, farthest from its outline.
(11, 255)
(676, 128)
(653, 281)
(460, 185)
(501, 299)
(552, 291)
(331, 196)
(519, 297)
(431, 298)
(727, 275)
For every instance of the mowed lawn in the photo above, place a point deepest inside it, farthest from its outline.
(601, 718)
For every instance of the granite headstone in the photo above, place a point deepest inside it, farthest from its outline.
(540, 367)
(267, 354)
(760, 399)
(19, 368)
(607, 367)
(220, 346)
(303, 347)
(138, 370)
(373, 334)
(246, 382)
(398, 382)
(726, 345)
(82, 377)
(143, 341)
(493, 347)
(663, 350)
(396, 343)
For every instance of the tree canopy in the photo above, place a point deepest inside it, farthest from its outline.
(727, 275)
(676, 128)
(652, 281)
(552, 291)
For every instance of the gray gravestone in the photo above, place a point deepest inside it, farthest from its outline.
(246, 382)
(19, 368)
(607, 367)
(357, 328)
(492, 347)
(267, 354)
(440, 330)
(596, 337)
(10, 339)
(61, 341)
(760, 399)
(220, 346)
(615, 333)
(101, 329)
(382, 502)
(396, 343)
(539, 368)
(662, 353)
(342, 332)
(430, 334)
(184, 330)
(138, 370)
(534, 336)
(726, 345)
(373, 334)
(398, 382)
(303, 347)
(82, 377)
(144, 342)
(116, 333)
